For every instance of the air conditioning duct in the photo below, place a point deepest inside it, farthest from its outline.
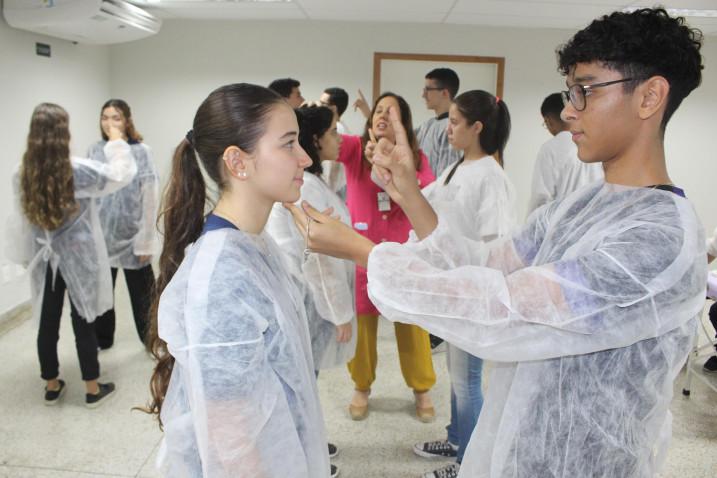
(98, 22)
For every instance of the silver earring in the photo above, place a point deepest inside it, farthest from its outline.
(242, 174)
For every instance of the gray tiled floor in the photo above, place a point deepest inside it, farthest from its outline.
(113, 441)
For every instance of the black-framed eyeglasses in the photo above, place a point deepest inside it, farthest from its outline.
(577, 93)
(432, 88)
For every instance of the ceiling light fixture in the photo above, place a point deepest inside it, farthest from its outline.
(680, 12)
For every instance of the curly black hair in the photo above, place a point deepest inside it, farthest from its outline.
(314, 122)
(644, 43)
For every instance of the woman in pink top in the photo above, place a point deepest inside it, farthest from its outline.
(374, 215)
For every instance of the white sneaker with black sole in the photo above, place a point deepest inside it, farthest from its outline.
(438, 449)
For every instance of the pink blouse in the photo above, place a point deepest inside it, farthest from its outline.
(362, 201)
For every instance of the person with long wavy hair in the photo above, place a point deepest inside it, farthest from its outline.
(128, 219)
(61, 241)
(377, 217)
(234, 384)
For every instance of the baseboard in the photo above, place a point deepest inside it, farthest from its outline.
(15, 316)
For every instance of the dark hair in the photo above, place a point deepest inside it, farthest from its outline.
(406, 121)
(338, 98)
(231, 115)
(123, 108)
(47, 192)
(641, 44)
(445, 78)
(284, 86)
(552, 106)
(314, 122)
(479, 105)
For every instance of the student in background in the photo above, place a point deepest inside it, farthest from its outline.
(234, 385)
(288, 88)
(333, 172)
(57, 236)
(475, 199)
(558, 171)
(441, 87)
(128, 219)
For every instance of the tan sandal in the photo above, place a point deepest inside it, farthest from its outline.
(359, 412)
(424, 414)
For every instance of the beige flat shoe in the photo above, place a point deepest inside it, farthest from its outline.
(424, 414)
(359, 412)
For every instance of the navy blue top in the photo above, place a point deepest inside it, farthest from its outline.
(215, 222)
(670, 188)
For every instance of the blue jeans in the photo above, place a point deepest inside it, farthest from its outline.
(466, 396)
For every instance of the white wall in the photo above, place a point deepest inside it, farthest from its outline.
(165, 77)
(77, 78)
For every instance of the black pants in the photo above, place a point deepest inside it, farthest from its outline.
(140, 284)
(713, 318)
(49, 332)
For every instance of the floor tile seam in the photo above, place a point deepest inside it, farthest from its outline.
(144, 463)
(48, 468)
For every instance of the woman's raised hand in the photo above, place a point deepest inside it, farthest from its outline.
(395, 164)
(362, 105)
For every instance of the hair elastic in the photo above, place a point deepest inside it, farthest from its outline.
(190, 137)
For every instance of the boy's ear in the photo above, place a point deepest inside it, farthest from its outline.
(653, 95)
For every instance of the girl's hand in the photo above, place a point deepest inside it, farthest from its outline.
(343, 333)
(114, 132)
(327, 235)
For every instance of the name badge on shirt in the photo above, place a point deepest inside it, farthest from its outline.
(384, 201)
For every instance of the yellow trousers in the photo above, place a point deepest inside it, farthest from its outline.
(414, 354)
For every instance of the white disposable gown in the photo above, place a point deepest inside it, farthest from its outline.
(478, 202)
(590, 310)
(327, 282)
(129, 216)
(558, 171)
(77, 247)
(242, 398)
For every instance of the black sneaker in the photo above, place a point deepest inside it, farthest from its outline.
(334, 471)
(448, 471)
(52, 397)
(333, 450)
(435, 449)
(95, 400)
(435, 341)
(710, 365)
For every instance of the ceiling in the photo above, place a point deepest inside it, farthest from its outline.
(569, 14)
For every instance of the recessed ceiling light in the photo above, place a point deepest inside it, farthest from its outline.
(680, 12)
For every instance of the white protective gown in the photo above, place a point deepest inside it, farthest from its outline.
(242, 399)
(327, 282)
(478, 202)
(590, 309)
(77, 247)
(129, 216)
(712, 244)
(558, 171)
